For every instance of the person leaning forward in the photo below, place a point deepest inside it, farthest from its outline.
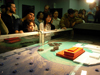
(68, 20)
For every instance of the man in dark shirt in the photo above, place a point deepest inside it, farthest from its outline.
(8, 18)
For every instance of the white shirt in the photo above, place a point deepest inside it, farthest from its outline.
(42, 28)
(35, 28)
(56, 23)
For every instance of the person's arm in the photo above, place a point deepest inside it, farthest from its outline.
(18, 26)
(78, 20)
(62, 25)
(3, 27)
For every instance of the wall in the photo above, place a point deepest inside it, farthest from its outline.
(83, 5)
(1, 3)
(39, 5)
(73, 4)
(60, 4)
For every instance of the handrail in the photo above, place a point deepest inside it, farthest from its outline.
(18, 35)
(58, 30)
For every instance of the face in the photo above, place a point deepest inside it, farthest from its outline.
(30, 27)
(71, 15)
(97, 9)
(55, 14)
(46, 9)
(41, 15)
(94, 4)
(48, 19)
(13, 8)
(3, 10)
(76, 14)
(91, 6)
(84, 12)
(80, 15)
(30, 16)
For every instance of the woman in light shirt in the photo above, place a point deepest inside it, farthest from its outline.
(56, 20)
(46, 25)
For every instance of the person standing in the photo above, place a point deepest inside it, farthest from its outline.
(3, 28)
(90, 13)
(8, 17)
(39, 18)
(56, 20)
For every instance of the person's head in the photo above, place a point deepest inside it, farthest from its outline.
(71, 12)
(97, 8)
(29, 14)
(30, 25)
(10, 7)
(84, 11)
(91, 6)
(76, 13)
(47, 18)
(0, 14)
(46, 8)
(3, 8)
(40, 15)
(55, 14)
(94, 4)
(80, 13)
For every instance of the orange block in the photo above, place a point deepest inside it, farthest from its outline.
(73, 51)
(61, 54)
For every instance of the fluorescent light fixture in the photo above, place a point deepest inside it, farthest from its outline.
(90, 1)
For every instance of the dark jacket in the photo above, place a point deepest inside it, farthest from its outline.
(67, 21)
(97, 17)
(9, 22)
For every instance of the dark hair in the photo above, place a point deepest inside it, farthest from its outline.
(46, 15)
(55, 11)
(9, 5)
(71, 11)
(3, 6)
(27, 22)
(76, 10)
(80, 12)
(27, 11)
(38, 14)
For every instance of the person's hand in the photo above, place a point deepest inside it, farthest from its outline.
(89, 12)
(64, 28)
(73, 24)
(16, 31)
(21, 31)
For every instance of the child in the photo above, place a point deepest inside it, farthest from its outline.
(30, 26)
